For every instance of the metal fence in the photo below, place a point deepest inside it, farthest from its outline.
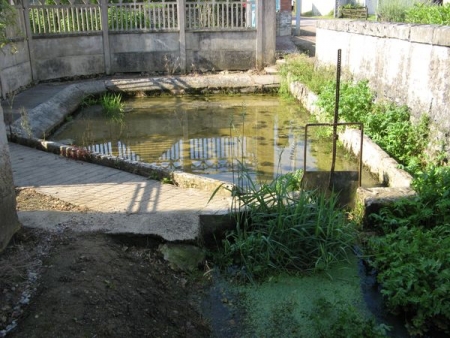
(86, 17)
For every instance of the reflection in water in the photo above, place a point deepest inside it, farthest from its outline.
(205, 135)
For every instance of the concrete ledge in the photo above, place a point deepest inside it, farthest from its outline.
(181, 179)
(374, 199)
(427, 34)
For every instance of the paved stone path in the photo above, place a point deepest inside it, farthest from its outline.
(120, 201)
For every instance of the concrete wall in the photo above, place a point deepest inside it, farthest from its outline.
(15, 67)
(144, 52)
(409, 64)
(66, 56)
(220, 50)
(284, 23)
(55, 56)
(9, 222)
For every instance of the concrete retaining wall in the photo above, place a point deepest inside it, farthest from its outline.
(408, 64)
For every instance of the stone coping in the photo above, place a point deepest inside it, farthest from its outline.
(427, 34)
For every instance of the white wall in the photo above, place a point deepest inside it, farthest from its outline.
(324, 7)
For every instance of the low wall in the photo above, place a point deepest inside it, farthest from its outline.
(408, 64)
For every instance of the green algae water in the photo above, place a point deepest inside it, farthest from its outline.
(208, 135)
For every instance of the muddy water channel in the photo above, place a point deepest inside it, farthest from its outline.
(208, 135)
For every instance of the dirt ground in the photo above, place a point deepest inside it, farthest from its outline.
(67, 284)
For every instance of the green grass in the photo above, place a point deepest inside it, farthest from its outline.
(280, 228)
(301, 68)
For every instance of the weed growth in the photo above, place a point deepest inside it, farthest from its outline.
(25, 122)
(393, 10)
(281, 228)
(302, 68)
(341, 319)
(414, 269)
(413, 254)
(387, 124)
(429, 14)
(112, 106)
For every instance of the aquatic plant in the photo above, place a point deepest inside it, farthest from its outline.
(280, 228)
(112, 106)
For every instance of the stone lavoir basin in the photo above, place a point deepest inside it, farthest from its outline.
(209, 135)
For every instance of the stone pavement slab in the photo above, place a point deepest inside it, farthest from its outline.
(119, 202)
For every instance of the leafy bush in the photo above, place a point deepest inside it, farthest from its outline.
(280, 228)
(355, 101)
(430, 14)
(386, 123)
(430, 208)
(414, 270)
(390, 127)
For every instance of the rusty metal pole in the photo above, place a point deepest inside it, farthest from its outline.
(336, 115)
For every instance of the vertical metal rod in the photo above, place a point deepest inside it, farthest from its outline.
(336, 115)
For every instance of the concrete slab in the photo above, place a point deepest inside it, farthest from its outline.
(119, 202)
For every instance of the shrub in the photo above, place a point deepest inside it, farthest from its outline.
(386, 123)
(430, 208)
(414, 270)
(355, 101)
(393, 10)
(430, 14)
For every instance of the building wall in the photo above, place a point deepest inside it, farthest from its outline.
(409, 64)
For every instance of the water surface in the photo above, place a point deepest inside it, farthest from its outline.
(209, 135)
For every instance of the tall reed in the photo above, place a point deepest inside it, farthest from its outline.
(280, 228)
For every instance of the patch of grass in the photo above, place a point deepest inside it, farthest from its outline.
(393, 10)
(302, 68)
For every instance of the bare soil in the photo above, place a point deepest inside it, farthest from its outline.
(68, 284)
